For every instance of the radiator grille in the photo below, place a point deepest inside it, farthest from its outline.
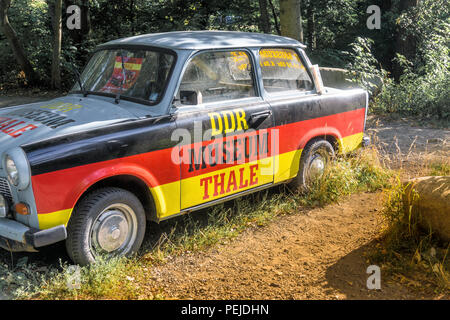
(5, 190)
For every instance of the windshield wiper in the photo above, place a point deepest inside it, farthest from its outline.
(83, 90)
(123, 80)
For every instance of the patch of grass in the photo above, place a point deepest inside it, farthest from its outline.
(349, 174)
(440, 169)
(106, 279)
(19, 279)
(125, 279)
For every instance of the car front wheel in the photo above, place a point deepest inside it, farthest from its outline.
(108, 222)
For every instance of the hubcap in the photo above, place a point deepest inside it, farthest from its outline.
(317, 166)
(114, 230)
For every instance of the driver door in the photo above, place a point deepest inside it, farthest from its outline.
(230, 151)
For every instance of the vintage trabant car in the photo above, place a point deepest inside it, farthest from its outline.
(164, 124)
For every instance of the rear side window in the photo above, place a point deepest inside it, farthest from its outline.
(217, 76)
(282, 70)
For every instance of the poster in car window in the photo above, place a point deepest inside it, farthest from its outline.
(239, 65)
(281, 63)
(132, 68)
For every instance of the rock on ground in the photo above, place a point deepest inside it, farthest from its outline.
(430, 203)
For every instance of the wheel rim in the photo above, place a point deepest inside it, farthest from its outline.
(317, 165)
(114, 231)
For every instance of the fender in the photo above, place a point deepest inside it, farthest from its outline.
(318, 132)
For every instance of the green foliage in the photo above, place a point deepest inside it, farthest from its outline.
(440, 169)
(329, 27)
(335, 21)
(30, 20)
(110, 20)
(107, 279)
(424, 88)
(334, 30)
(364, 68)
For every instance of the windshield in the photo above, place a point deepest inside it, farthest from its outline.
(144, 76)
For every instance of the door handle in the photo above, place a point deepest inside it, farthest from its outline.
(257, 118)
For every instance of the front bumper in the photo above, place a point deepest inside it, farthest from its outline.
(15, 236)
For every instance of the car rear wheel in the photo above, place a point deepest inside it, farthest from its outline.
(315, 158)
(108, 222)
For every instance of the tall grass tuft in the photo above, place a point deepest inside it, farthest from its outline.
(347, 175)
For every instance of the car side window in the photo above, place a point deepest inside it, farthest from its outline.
(282, 70)
(217, 76)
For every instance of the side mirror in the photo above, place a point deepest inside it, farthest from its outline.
(191, 97)
(317, 79)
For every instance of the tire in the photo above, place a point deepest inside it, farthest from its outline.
(315, 158)
(108, 222)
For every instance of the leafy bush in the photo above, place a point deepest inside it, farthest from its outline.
(364, 68)
(424, 88)
(30, 20)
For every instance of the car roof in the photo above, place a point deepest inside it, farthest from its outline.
(198, 40)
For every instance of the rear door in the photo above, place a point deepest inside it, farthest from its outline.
(286, 85)
(226, 125)
(300, 113)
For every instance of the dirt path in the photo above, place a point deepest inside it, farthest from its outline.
(403, 144)
(318, 254)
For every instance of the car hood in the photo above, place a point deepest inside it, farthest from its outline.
(29, 123)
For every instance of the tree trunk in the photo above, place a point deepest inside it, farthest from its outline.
(18, 49)
(265, 23)
(291, 19)
(57, 38)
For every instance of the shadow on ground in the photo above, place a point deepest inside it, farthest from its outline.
(46, 256)
(349, 276)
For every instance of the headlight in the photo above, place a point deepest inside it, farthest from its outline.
(17, 168)
(11, 170)
(3, 207)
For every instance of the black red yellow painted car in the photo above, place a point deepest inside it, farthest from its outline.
(202, 118)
